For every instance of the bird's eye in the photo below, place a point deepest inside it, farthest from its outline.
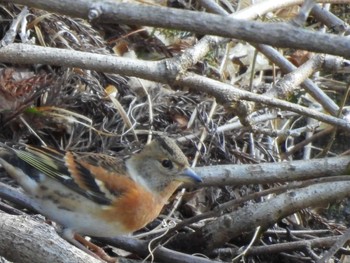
(167, 164)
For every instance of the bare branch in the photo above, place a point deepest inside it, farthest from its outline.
(264, 214)
(265, 173)
(24, 240)
(275, 34)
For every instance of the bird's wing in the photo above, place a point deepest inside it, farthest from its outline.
(85, 173)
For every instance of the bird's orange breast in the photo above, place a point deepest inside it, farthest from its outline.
(135, 208)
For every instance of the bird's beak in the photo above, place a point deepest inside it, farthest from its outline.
(189, 176)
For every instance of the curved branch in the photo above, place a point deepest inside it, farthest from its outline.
(156, 71)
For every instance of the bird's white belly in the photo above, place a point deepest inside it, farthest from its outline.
(82, 222)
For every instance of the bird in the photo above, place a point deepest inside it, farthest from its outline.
(95, 194)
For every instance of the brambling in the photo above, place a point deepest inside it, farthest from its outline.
(96, 194)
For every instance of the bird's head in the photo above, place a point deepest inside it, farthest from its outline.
(160, 163)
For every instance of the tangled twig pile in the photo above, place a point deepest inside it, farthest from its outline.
(93, 84)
